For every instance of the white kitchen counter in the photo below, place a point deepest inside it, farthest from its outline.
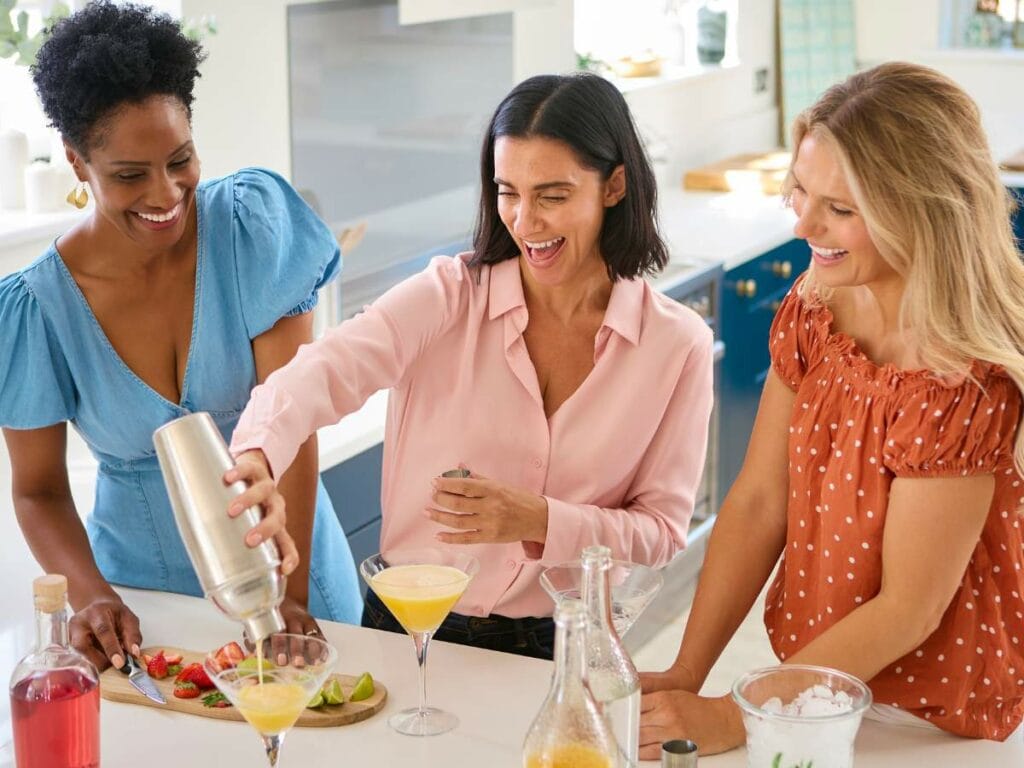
(494, 695)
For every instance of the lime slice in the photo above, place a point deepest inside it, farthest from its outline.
(332, 692)
(252, 664)
(316, 701)
(363, 688)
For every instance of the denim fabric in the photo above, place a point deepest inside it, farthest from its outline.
(525, 637)
(262, 254)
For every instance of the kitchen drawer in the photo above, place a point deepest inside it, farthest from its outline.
(354, 488)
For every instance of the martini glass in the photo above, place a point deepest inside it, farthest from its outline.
(273, 701)
(633, 588)
(420, 586)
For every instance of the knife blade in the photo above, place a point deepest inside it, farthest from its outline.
(141, 680)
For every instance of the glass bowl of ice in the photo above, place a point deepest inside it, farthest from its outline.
(798, 715)
(633, 587)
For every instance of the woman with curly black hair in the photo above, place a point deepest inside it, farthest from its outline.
(171, 296)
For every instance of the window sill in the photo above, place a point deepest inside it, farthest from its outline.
(672, 74)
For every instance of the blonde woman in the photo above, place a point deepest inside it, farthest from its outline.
(885, 463)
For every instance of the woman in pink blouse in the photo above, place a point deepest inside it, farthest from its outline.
(542, 360)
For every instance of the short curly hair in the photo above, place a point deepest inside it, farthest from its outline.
(105, 56)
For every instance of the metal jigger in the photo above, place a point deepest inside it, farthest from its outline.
(242, 581)
(679, 753)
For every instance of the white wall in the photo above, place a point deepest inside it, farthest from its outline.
(918, 30)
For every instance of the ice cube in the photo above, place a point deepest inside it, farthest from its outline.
(773, 705)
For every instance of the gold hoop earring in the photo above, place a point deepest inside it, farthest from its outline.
(78, 196)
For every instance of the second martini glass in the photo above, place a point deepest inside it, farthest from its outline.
(420, 586)
(272, 701)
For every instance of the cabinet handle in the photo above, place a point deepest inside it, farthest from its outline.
(746, 288)
(782, 269)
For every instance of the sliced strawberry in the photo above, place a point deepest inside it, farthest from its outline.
(194, 673)
(229, 655)
(186, 690)
(218, 700)
(146, 658)
(173, 658)
(157, 666)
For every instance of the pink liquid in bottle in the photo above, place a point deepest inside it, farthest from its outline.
(56, 720)
(55, 693)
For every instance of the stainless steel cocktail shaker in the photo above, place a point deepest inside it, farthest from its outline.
(242, 581)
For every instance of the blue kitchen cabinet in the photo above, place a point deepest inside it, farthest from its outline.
(354, 488)
(751, 294)
(1018, 219)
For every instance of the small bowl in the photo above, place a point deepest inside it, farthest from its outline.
(822, 733)
(633, 587)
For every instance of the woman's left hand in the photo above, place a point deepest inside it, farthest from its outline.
(713, 724)
(484, 511)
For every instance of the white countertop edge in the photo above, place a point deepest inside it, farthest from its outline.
(355, 433)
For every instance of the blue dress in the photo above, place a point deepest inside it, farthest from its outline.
(262, 254)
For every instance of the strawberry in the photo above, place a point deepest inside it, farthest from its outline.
(173, 658)
(229, 655)
(157, 666)
(186, 690)
(146, 658)
(217, 700)
(194, 673)
(173, 670)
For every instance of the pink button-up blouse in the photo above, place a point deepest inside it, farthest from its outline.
(618, 463)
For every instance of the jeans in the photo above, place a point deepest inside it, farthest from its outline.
(526, 637)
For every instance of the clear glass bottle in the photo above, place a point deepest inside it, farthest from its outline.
(55, 692)
(569, 731)
(611, 675)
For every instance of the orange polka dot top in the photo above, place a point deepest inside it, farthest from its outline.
(855, 427)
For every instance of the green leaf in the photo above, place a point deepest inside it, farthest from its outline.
(776, 760)
(7, 49)
(23, 23)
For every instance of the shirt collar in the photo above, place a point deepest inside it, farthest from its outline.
(624, 314)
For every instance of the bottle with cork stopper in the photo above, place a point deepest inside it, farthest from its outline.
(55, 694)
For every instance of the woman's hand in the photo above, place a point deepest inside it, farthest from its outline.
(484, 511)
(715, 725)
(297, 619)
(103, 629)
(253, 468)
(675, 678)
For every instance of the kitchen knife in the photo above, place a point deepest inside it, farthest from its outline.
(140, 680)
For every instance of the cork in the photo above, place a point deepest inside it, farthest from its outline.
(50, 592)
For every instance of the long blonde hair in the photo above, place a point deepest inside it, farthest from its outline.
(919, 167)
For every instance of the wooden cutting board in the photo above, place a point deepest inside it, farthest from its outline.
(114, 686)
(1013, 162)
(765, 171)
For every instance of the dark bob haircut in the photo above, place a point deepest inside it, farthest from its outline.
(588, 114)
(105, 56)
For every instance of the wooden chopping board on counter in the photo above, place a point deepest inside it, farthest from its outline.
(764, 171)
(1014, 162)
(114, 686)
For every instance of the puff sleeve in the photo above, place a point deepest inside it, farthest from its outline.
(36, 388)
(939, 431)
(792, 337)
(284, 253)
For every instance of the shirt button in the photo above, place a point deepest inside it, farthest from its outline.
(538, 463)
